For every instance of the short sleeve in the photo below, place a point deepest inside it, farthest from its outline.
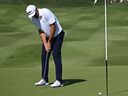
(49, 16)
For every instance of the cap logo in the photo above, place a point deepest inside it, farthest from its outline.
(30, 12)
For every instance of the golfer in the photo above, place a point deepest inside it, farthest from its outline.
(52, 35)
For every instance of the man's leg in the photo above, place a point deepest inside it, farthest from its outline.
(57, 44)
(45, 65)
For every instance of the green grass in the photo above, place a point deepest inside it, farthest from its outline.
(83, 52)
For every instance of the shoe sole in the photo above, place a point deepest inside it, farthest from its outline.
(42, 84)
(56, 86)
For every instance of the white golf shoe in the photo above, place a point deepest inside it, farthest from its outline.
(42, 82)
(56, 84)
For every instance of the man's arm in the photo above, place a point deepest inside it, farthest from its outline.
(52, 32)
(49, 16)
(43, 38)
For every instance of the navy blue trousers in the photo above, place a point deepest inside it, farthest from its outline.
(56, 46)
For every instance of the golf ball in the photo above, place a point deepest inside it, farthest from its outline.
(99, 93)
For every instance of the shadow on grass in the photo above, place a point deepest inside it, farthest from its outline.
(116, 93)
(72, 81)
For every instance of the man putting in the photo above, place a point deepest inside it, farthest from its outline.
(52, 35)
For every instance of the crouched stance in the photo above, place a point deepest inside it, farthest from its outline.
(52, 35)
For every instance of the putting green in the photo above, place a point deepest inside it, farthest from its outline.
(83, 52)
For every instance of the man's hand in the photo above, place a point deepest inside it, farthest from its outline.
(48, 49)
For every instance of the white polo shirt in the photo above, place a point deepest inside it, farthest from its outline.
(46, 17)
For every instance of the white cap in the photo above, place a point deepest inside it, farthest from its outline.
(31, 10)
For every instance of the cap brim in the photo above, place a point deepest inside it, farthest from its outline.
(31, 15)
